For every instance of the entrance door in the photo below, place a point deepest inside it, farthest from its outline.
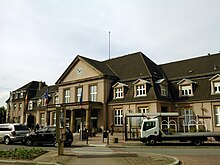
(78, 124)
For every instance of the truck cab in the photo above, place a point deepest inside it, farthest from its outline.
(150, 130)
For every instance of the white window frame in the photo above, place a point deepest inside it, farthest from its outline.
(119, 92)
(67, 96)
(79, 91)
(186, 90)
(20, 106)
(93, 93)
(143, 110)
(217, 115)
(21, 95)
(216, 87)
(54, 118)
(140, 90)
(30, 104)
(56, 99)
(118, 117)
(15, 106)
(188, 115)
(42, 119)
(164, 90)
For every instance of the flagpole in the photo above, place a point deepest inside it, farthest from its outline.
(109, 45)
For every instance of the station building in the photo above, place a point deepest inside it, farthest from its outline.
(98, 94)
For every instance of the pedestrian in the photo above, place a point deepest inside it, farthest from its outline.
(37, 127)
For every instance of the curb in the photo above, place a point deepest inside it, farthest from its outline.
(176, 162)
(31, 162)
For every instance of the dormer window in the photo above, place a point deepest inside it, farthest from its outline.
(215, 84)
(186, 87)
(21, 95)
(119, 90)
(163, 87)
(216, 87)
(140, 88)
(186, 90)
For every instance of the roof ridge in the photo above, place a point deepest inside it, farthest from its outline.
(194, 58)
(121, 56)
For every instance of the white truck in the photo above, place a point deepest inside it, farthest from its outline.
(151, 133)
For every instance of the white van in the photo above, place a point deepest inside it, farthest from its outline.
(13, 132)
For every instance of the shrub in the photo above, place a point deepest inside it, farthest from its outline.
(22, 153)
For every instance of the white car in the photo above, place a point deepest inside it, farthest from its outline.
(13, 132)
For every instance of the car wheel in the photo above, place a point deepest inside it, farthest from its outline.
(7, 140)
(56, 144)
(29, 142)
(197, 142)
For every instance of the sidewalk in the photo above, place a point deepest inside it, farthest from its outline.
(99, 152)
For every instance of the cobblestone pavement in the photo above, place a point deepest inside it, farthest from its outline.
(106, 158)
(198, 160)
(97, 152)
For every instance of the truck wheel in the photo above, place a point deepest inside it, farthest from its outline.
(197, 142)
(152, 141)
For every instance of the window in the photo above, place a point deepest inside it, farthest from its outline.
(15, 107)
(30, 105)
(186, 87)
(67, 96)
(56, 100)
(188, 115)
(163, 90)
(143, 110)
(216, 87)
(79, 94)
(141, 90)
(54, 118)
(148, 125)
(118, 117)
(215, 84)
(217, 115)
(39, 102)
(42, 119)
(20, 106)
(186, 90)
(93, 92)
(163, 86)
(118, 92)
(21, 95)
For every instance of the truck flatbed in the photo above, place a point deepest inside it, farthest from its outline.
(190, 134)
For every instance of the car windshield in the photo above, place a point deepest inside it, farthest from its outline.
(21, 127)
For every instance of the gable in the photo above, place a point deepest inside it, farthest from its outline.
(215, 78)
(185, 82)
(81, 70)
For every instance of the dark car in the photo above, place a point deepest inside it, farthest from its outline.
(46, 135)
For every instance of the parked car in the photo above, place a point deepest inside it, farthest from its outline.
(13, 132)
(46, 135)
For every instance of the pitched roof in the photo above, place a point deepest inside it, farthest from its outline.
(133, 66)
(40, 93)
(33, 85)
(194, 67)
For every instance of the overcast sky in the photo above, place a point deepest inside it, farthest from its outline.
(40, 38)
